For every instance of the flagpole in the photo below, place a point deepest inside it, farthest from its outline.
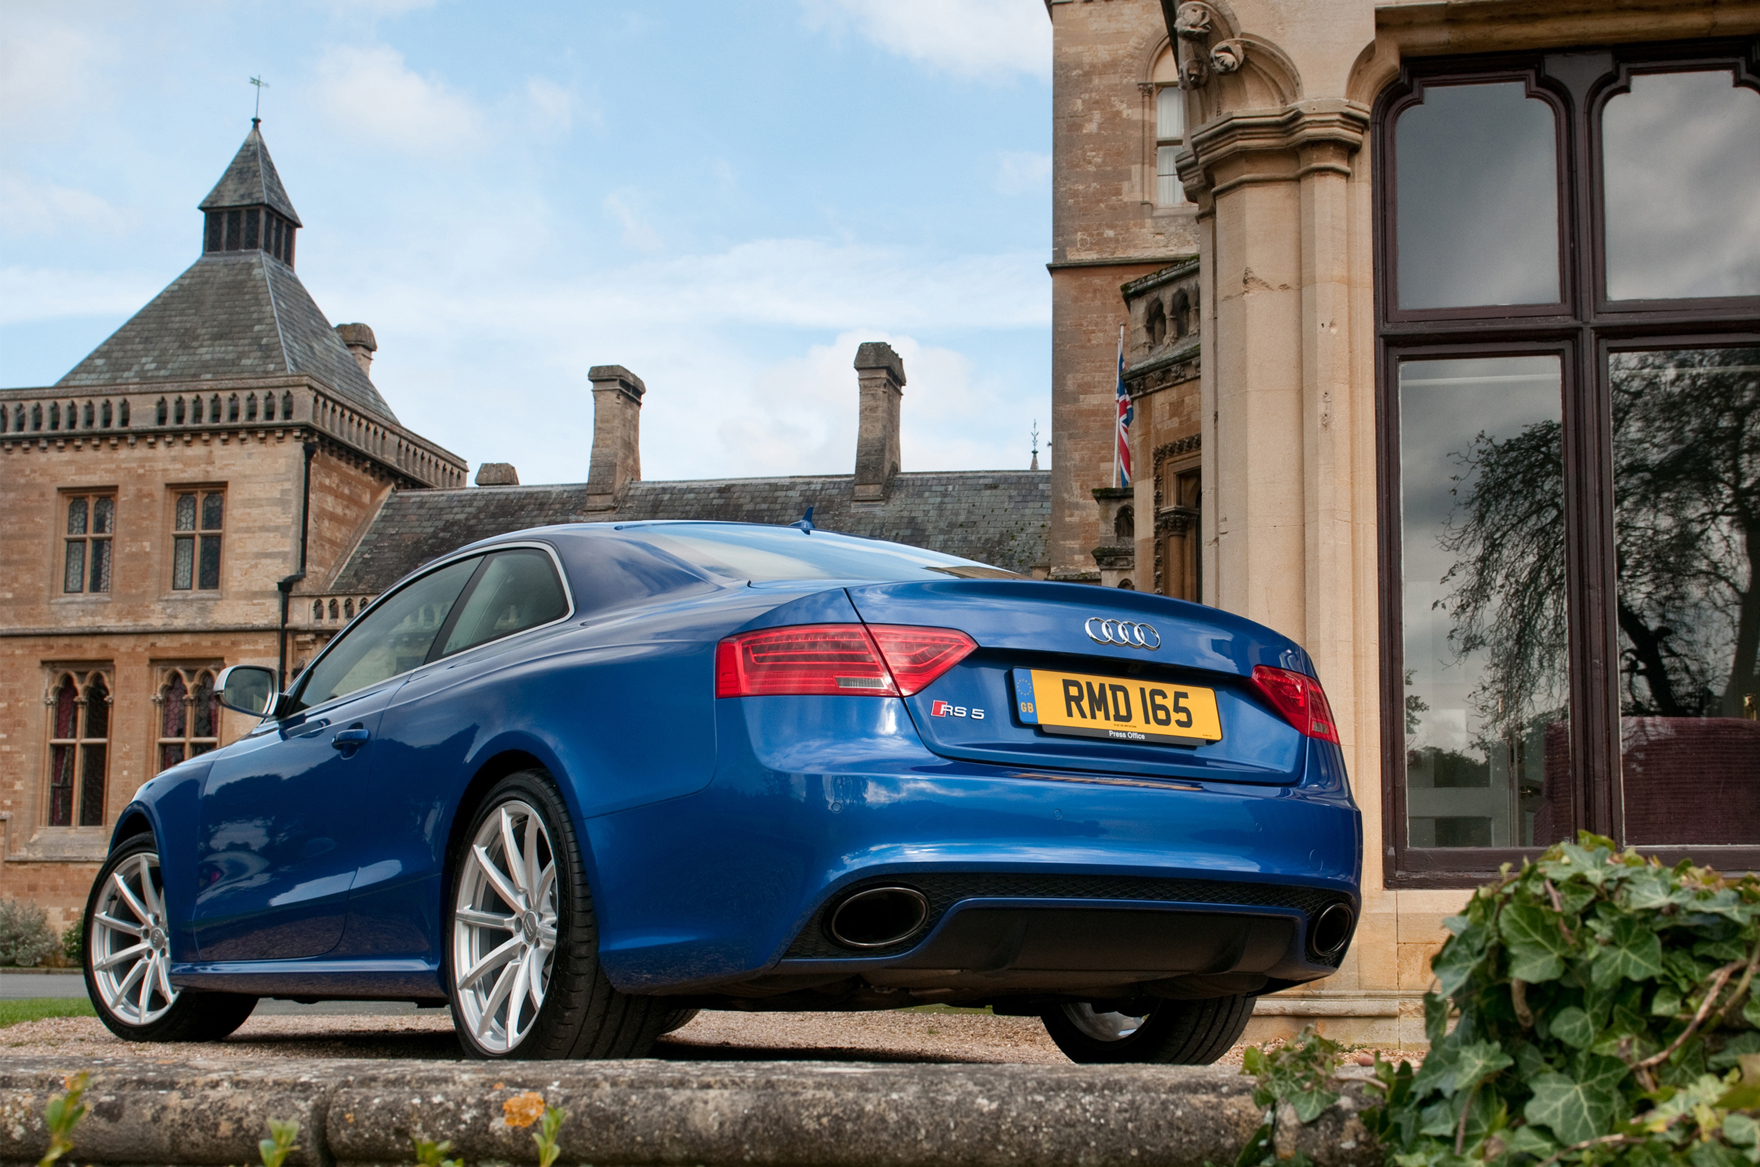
(1118, 371)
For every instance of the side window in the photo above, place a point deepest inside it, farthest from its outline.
(392, 639)
(518, 590)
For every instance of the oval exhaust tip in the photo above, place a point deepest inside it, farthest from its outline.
(1331, 930)
(877, 917)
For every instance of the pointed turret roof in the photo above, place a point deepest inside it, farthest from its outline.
(251, 181)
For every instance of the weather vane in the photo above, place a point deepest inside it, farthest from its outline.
(257, 113)
(1035, 443)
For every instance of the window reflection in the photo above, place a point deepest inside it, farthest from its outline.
(1477, 222)
(1686, 463)
(1483, 579)
(1680, 166)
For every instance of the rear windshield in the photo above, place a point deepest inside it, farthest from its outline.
(779, 553)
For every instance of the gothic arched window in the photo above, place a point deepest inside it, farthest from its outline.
(189, 715)
(79, 739)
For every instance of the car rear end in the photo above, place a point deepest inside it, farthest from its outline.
(995, 791)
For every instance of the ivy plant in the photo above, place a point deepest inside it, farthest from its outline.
(1594, 1007)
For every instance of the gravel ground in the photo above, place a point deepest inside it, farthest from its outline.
(712, 1036)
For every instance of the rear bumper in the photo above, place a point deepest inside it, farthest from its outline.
(1036, 881)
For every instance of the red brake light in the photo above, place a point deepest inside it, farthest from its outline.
(1299, 698)
(917, 656)
(836, 659)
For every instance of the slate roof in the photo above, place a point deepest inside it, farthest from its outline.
(231, 314)
(998, 517)
(251, 180)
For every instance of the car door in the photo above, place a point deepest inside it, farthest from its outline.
(283, 827)
(429, 728)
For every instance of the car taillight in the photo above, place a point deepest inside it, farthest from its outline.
(1299, 698)
(881, 660)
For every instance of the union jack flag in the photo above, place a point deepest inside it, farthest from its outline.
(1126, 413)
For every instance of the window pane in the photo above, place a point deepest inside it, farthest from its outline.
(390, 640)
(76, 516)
(186, 512)
(66, 709)
(103, 510)
(173, 719)
(1170, 113)
(183, 559)
(170, 754)
(213, 505)
(100, 565)
(202, 708)
(1169, 192)
(1681, 168)
(61, 786)
(1477, 190)
(74, 574)
(1483, 573)
(519, 589)
(91, 786)
(210, 576)
(97, 710)
(1686, 463)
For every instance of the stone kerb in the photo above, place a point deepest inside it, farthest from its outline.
(786, 1114)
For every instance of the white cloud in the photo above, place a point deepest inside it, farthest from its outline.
(33, 294)
(969, 38)
(637, 235)
(1023, 172)
(371, 92)
(32, 207)
(551, 102)
(48, 71)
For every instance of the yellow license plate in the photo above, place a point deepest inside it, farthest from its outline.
(1116, 708)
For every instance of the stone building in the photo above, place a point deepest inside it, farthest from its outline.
(163, 501)
(994, 516)
(1478, 285)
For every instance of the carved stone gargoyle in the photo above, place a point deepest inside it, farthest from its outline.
(1190, 25)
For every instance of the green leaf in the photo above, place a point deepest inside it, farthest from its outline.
(1666, 1003)
(1435, 1018)
(1741, 1130)
(1310, 1104)
(1742, 1044)
(1575, 1111)
(1460, 956)
(1527, 1140)
(1751, 1010)
(1536, 946)
(1633, 952)
(1572, 1026)
(1479, 1061)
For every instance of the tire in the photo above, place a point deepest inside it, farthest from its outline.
(127, 958)
(678, 1019)
(525, 932)
(1172, 1033)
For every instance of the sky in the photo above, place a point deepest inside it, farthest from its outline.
(724, 198)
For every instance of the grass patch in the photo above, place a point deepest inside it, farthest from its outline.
(37, 1008)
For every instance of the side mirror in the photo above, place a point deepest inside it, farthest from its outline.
(247, 689)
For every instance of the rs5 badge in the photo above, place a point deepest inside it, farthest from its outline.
(943, 709)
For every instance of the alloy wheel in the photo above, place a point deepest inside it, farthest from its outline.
(1103, 1026)
(504, 926)
(130, 948)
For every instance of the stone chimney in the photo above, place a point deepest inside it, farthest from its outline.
(881, 374)
(617, 435)
(360, 342)
(497, 474)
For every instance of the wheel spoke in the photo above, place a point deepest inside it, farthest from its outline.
(162, 967)
(497, 880)
(511, 852)
(516, 998)
(534, 837)
(477, 919)
(115, 958)
(502, 954)
(134, 905)
(145, 993)
(119, 996)
(118, 925)
(533, 989)
(546, 886)
(155, 902)
(493, 1001)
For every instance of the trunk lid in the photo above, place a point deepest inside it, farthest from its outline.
(1056, 661)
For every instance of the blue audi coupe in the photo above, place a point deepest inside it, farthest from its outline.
(579, 782)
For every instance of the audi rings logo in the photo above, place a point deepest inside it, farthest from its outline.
(1123, 633)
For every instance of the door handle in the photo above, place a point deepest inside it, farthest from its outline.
(352, 738)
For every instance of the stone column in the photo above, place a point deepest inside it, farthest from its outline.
(617, 433)
(881, 374)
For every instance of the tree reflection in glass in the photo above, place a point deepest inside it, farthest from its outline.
(1483, 579)
(1686, 453)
